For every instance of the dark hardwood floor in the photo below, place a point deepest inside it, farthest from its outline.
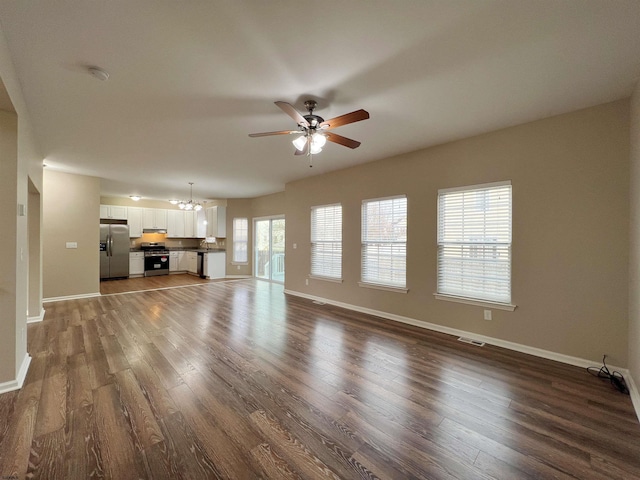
(237, 380)
(139, 284)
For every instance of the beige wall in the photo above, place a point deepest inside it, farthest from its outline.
(9, 306)
(19, 163)
(268, 205)
(570, 230)
(71, 214)
(634, 253)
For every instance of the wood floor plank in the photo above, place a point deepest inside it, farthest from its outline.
(79, 393)
(119, 457)
(236, 379)
(296, 453)
(15, 445)
(82, 452)
(47, 460)
(53, 400)
(180, 454)
(160, 402)
(96, 359)
(232, 462)
(274, 465)
(139, 413)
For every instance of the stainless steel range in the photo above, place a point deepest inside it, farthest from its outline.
(156, 258)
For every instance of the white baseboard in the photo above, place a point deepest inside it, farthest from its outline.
(70, 297)
(37, 318)
(19, 381)
(633, 392)
(538, 352)
(237, 276)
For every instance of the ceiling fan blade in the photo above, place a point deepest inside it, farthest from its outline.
(347, 142)
(281, 132)
(293, 113)
(345, 119)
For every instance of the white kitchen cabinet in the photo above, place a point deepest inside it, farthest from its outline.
(183, 264)
(113, 212)
(154, 218)
(174, 262)
(176, 223)
(214, 264)
(134, 220)
(136, 263)
(194, 224)
(201, 224)
(192, 262)
(217, 221)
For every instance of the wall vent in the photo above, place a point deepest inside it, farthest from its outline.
(471, 341)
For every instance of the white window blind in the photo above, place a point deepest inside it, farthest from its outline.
(474, 242)
(384, 241)
(326, 241)
(240, 239)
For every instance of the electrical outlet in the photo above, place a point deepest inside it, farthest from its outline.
(487, 314)
(306, 281)
(238, 267)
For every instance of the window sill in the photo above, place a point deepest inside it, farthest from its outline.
(239, 263)
(387, 288)
(326, 279)
(472, 301)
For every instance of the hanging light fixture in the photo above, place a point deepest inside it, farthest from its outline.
(190, 205)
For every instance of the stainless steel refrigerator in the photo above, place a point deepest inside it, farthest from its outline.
(114, 251)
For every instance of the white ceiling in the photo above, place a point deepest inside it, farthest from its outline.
(190, 79)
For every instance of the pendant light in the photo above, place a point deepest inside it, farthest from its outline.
(190, 205)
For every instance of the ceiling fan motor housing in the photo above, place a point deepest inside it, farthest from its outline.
(314, 121)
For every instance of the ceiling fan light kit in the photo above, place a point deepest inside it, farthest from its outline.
(313, 128)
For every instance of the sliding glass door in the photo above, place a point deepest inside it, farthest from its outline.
(269, 248)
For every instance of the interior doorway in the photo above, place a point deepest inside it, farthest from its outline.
(269, 243)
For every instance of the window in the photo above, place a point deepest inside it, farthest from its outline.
(384, 242)
(240, 240)
(326, 241)
(474, 242)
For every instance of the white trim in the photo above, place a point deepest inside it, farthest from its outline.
(37, 318)
(325, 279)
(392, 197)
(70, 297)
(480, 186)
(237, 276)
(16, 384)
(388, 288)
(518, 347)
(634, 393)
(239, 263)
(480, 303)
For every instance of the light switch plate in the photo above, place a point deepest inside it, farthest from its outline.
(72, 244)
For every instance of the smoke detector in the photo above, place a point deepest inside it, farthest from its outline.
(99, 73)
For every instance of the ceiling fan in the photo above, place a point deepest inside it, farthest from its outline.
(314, 130)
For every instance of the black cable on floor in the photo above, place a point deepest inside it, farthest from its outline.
(616, 378)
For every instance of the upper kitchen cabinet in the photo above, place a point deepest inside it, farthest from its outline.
(134, 221)
(176, 220)
(195, 224)
(216, 221)
(113, 212)
(154, 218)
